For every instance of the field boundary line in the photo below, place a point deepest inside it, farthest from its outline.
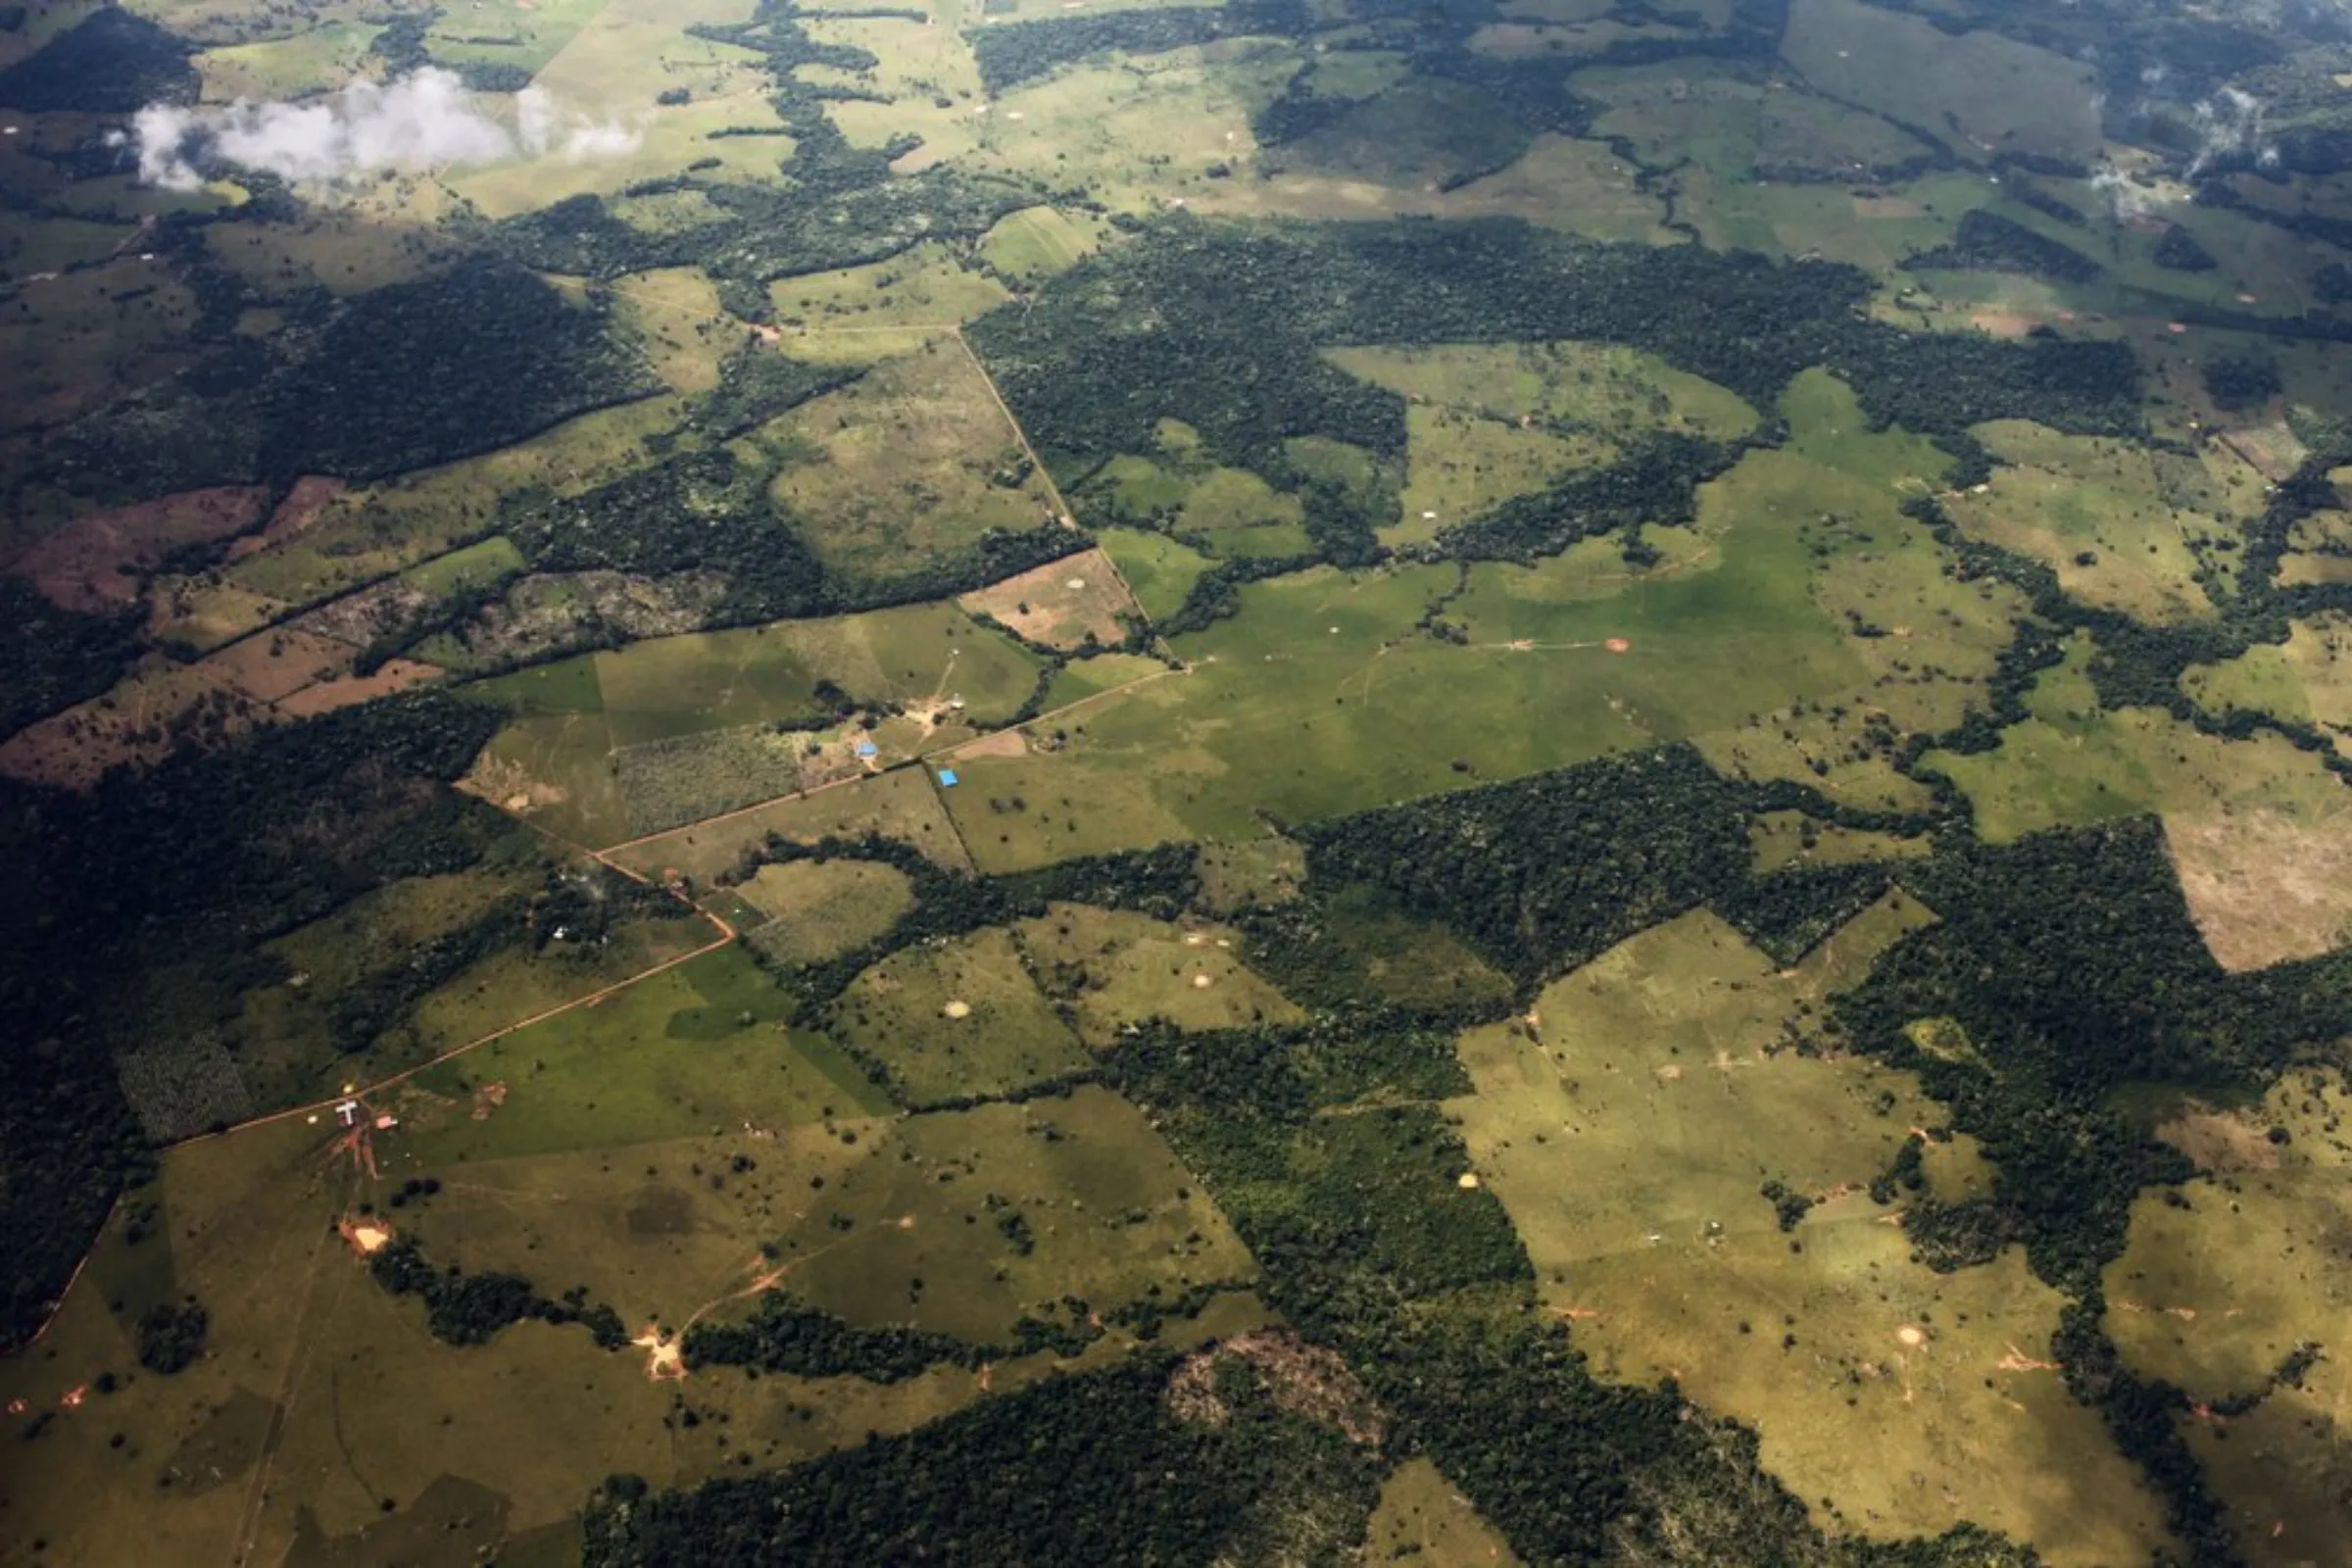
(1062, 505)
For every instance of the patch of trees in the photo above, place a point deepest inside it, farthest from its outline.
(704, 509)
(113, 61)
(464, 1308)
(1541, 874)
(405, 376)
(170, 1335)
(383, 997)
(1656, 481)
(1987, 242)
(709, 509)
(2238, 381)
(51, 658)
(1011, 53)
(1081, 1470)
(787, 1336)
(2179, 251)
(2143, 1415)
(1790, 912)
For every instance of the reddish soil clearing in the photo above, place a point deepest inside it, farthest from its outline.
(1060, 603)
(94, 563)
(397, 674)
(301, 507)
(2262, 886)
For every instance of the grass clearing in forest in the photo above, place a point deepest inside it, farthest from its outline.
(817, 909)
(1424, 1521)
(2074, 762)
(900, 803)
(2213, 1295)
(1002, 1209)
(1115, 967)
(960, 1017)
(1627, 1123)
(1488, 421)
(1066, 604)
(1036, 243)
(917, 460)
(892, 305)
(2097, 512)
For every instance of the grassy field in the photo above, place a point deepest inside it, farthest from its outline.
(1105, 1208)
(2214, 1293)
(614, 745)
(1488, 421)
(1627, 1123)
(902, 804)
(962, 1017)
(1038, 242)
(1423, 1521)
(1108, 968)
(2004, 96)
(2100, 514)
(1742, 626)
(918, 460)
(814, 910)
(1157, 569)
(257, 1440)
(893, 307)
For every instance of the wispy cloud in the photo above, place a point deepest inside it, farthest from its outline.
(423, 120)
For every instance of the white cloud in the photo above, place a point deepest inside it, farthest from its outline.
(425, 119)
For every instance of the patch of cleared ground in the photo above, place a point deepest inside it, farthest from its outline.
(1065, 604)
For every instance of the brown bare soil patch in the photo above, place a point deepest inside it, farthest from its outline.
(137, 723)
(272, 667)
(2262, 886)
(1003, 743)
(2220, 1141)
(396, 675)
(1303, 1379)
(94, 563)
(1059, 604)
(1886, 207)
(2004, 323)
(301, 507)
